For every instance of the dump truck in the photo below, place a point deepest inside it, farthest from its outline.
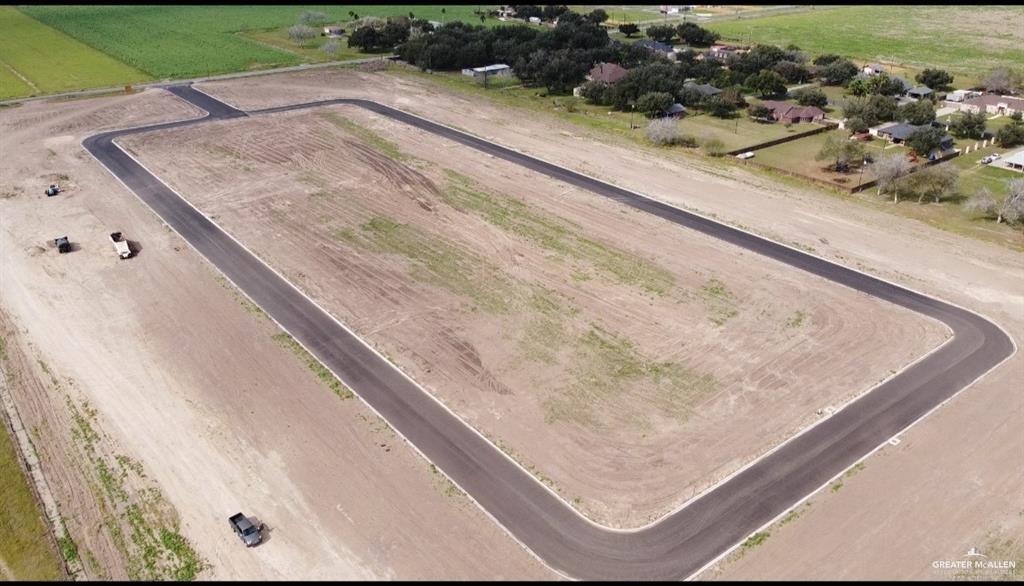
(120, 245)
(250, 534)
(53, 189)
(63, 245)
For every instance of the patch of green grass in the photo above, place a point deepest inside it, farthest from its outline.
(187, 563)
(611, 374)
(368, 136)
(756, 540)
(919, 36)
(837, 486)
(314, 365)
(52, 61)
(796, 320)
(440, 263)
(555, 234)
(719, 301)
(310, 51)
(25, 547)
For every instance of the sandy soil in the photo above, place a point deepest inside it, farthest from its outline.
(190, 384)
(725, 355)
(955, 478)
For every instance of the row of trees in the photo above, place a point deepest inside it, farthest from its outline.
(688, 32)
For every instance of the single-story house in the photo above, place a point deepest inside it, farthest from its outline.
(705, 89)
(873, 69)
(332, 31)
(1015, 161)
(499, 69)
(656, 47)
(723, 52)
(993, 104)
(920, 92)
(792, 113)
(534, 20)
(961, 95)
(607, 73)
(676, 111)
(900, 132)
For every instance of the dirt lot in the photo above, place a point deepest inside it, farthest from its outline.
(630, 372)
(953, 480)
(168, 367)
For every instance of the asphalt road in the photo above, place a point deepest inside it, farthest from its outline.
(679, 544)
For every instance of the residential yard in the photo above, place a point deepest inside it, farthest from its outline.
(798, 156)
(36, 59)
(914, 36)
(25, 551)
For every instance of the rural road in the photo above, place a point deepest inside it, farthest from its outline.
(678, 545)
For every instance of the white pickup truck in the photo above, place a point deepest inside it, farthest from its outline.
(120, 245)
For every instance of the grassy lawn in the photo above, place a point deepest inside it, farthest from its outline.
(798, 156)
(737, 132)
(25, 548)
(187, 41)
(914, 36)
(51, 61)
(309, 51)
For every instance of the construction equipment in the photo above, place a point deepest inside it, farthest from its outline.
(52, 190)
(120, 245)
(63, 245)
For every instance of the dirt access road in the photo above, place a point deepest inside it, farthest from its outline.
(947, 487)
(143, 341)
(534, 516)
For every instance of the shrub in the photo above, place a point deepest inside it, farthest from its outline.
(301, 33)
(713, 147)
(811, 97)
(331, 47)
(666, 132)
(654, 103)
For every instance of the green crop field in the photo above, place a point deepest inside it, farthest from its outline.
(966, 40)
(186, 41)
(51, 61)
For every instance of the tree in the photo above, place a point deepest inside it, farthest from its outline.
(888, 171)
(553, 11)
(873, 110)
(596, 93)
(1011, 135)
(597, 16)
(857, 125)
(936, 79)
(826, 59)
(880, 84)
(719, 107)
(666, 132)
(837, 72)
(366, 38)
(917, 113)
(936, 181)
(968, 125)
(925, 140)
(761, 113)
(982, 203)
(629, 29)
(792, 71)
(759, 58)
(661, 33)
(1012, 208)
(767, 83)
(301, 33)
(310, 18)
(653, 104)
(811, 97)
(1002, 81)
(840, 149)
(695, 35)
(331, 47)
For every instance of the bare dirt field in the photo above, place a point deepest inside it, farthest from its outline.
(625, 360)
(150, 377)
(954, 480)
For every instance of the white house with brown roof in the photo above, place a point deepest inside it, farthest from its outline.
(993, 104)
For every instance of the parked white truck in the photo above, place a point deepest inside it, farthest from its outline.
(120, 245)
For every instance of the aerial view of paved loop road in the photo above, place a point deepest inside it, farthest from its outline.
(674, 547)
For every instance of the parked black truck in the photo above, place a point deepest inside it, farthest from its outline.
(249, 533)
